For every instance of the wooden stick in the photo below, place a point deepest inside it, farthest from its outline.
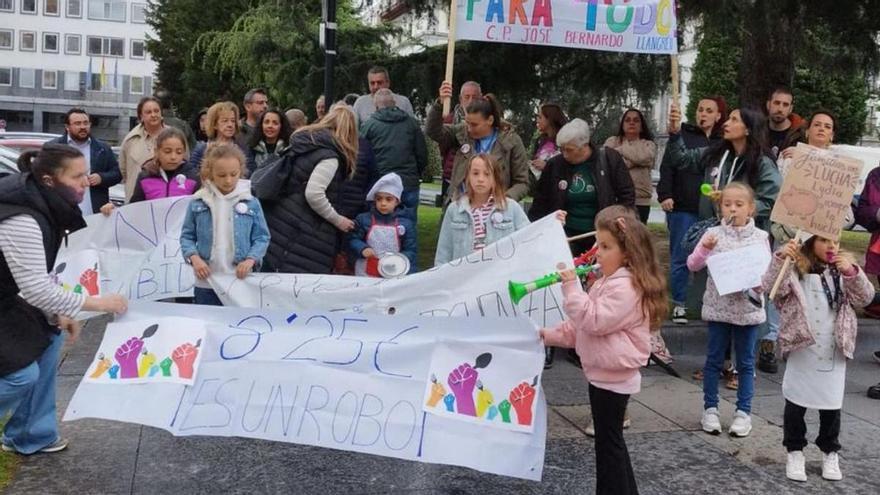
(450, 54)
(782, 272)
(581, 236)
(674, 71)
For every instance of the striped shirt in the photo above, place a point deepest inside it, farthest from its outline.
(21, 242)
(480, 215)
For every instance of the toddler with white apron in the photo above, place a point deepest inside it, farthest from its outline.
(384, 232)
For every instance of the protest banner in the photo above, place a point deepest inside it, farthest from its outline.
(476, 285)
(138, 250)
(817, 191)
(348, 382)
(637, 26)
(815, 196)
(739, 269)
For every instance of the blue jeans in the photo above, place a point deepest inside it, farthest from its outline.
(206, 297)
(744, 339)
(678, 223)
(30, 394)
(772, 324)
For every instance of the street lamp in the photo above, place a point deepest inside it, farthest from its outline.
(327, 41)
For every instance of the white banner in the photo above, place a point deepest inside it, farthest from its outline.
(139, 254)
(349, 382)
(636, 26)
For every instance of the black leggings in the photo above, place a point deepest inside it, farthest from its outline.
(794, 430)
(614, 473)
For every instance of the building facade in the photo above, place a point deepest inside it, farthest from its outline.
(59, 54)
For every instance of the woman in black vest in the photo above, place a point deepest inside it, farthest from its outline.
(301, 194)
(38, 208)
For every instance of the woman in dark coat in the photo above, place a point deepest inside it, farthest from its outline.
(301, 194)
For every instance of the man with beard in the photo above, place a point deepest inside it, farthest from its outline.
(103, 171)
(782, 122)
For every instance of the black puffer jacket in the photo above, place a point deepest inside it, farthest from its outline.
(24, 330)
(683, 186)
(302, 241)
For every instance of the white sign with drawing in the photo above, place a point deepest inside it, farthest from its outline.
(740, 269)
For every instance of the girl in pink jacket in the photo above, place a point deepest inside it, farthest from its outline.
(612, 339)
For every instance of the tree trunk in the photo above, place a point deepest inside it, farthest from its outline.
(770, 37)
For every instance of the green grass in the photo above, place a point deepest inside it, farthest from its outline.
(429, 230)
(8, 463)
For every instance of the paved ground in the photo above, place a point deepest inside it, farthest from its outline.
(669, 453)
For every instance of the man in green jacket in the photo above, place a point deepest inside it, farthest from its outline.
(398, 146)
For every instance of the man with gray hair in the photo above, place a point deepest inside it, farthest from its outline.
(296, 118)
(378, 79)
(255, 103)
(398, 145)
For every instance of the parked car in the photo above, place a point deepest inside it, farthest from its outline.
(45, 136)
(9, 165)
(23, 144)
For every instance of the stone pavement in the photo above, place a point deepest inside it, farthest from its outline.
(670, 454)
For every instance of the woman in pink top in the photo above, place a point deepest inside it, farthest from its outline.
(612, 340)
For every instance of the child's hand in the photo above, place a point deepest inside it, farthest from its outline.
(710, 241)
(244, 268)
(200, 267)
(567, 275)
(844, 262)
(791, 249)
(107, 209)
(368, 253)
(560, 215)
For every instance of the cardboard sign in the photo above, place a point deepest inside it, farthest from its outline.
(817, 191)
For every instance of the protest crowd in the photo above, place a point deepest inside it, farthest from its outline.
(272, 192)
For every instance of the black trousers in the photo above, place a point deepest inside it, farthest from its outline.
(644, 213)
(795, 429)
(614, 473)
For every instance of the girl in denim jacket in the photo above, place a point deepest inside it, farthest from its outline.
(481, 216)
(224, 229)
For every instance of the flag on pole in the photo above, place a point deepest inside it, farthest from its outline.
(103, 74)
(89, 75)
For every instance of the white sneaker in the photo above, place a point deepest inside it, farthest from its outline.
(831, 467)
(679, 315)
(795, 468)
(711, 422)
(741, 425)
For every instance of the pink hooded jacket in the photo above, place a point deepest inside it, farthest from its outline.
(606, 326)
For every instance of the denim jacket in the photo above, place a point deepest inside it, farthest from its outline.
(457, 232)
(250, 232)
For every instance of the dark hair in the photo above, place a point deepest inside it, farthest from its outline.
(756, 146)
(554, 115)
(143, 101)
(283, 133)
(73, 111)
(822, 111)
(780, 88)
(487, 106)
(249, 96)
(194, 124)
(350, 99)
(645, 133)
(49, 160)
(152, 165)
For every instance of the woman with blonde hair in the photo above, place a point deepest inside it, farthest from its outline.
(221, 126)
(300, 194)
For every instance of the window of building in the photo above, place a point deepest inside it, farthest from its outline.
(28, 42)
(71, 80)
(72, 44)
(50, 42)
(50, 79)
(74, 8)
(50, 7)
(6, 37)
(137, 85)
(107, 10)
(28, 6)
(99, 46)
(139, 13)
(26, 78)
(5, 76)
(137, 49)
(7, 5)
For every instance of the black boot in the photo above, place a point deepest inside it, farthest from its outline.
(767, 357)
(549, 354)
(874, 392)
